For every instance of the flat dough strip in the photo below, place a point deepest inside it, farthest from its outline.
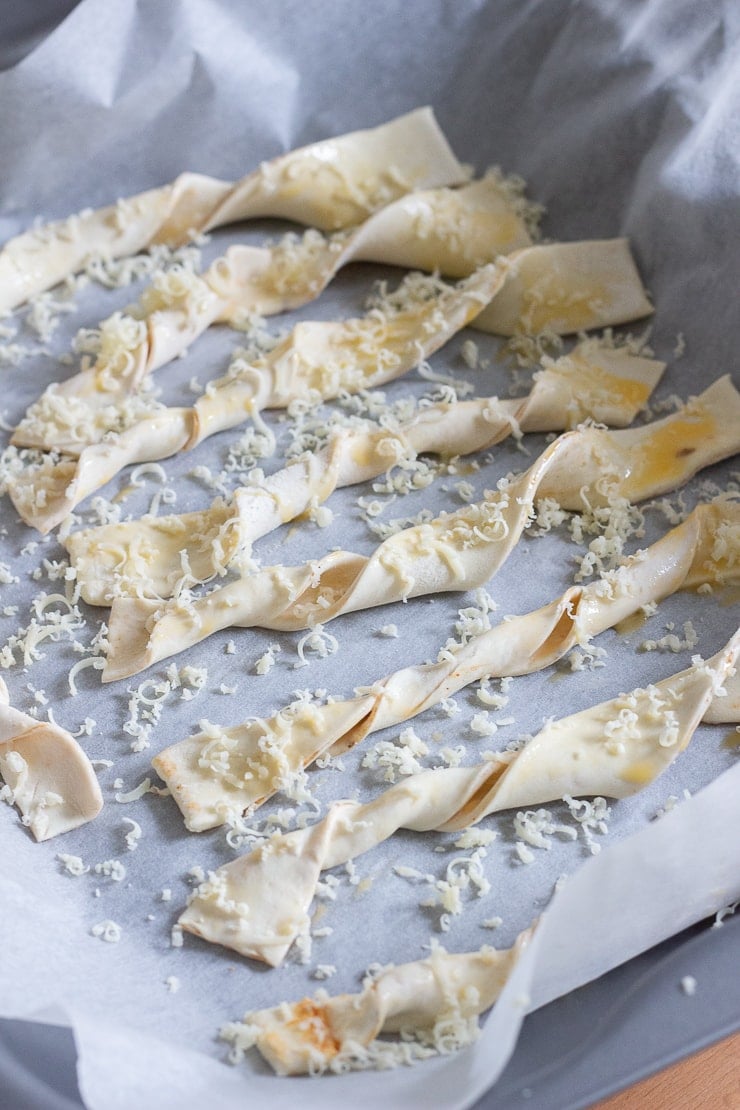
(331, 184)
(315, 359)
(235, 769)
(567, 290)
(455, 551)
(439, 992)
(144, 558)
(258, 904)
(47, 775)
(453, 231)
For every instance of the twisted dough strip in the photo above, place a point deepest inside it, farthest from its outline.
(315, 359)
(453, 231)
(233, 770)
(258, 904)
(456, 551)
(46, 772)
(436, 993)
(145, 558)
(331, 184)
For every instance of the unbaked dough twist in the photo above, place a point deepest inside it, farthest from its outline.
(258, 904)
(47, 775)
(331, 184)
(434, 996)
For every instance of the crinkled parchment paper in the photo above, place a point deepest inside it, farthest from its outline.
(623, 118)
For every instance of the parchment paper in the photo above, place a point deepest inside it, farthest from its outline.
(624, 120)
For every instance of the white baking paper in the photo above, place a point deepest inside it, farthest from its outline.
(624, 120)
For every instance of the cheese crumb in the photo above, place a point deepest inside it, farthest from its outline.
(319, 641)
(397, 759)
(108, 931)
(672, 642)
(591, 817)
(73, 865)
(133, 795)
(324, 971)
(133, 836)
(670, 804)
(688, 985)
(536, 827)
(470, 354)
(112, 869)
(266, 662)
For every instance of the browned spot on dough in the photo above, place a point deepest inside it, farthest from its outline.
(684, 451)
(312, 1020)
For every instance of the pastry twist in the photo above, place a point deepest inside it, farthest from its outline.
(258, 904)
(47, 775)
(424, 996)
(332, 184)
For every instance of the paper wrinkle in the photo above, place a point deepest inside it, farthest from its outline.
(628, 127)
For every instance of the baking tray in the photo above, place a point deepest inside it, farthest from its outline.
(577, 1049)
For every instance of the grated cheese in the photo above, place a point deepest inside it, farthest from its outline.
(135, 794)
(96, 662)
(73, 865)
(536, 829)
(591, 817)
(319, 641)
(266, 662)
(112, 868)
(324, 971)
(399, 758)
(107, 930)
(672, 642)
(133, 836)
